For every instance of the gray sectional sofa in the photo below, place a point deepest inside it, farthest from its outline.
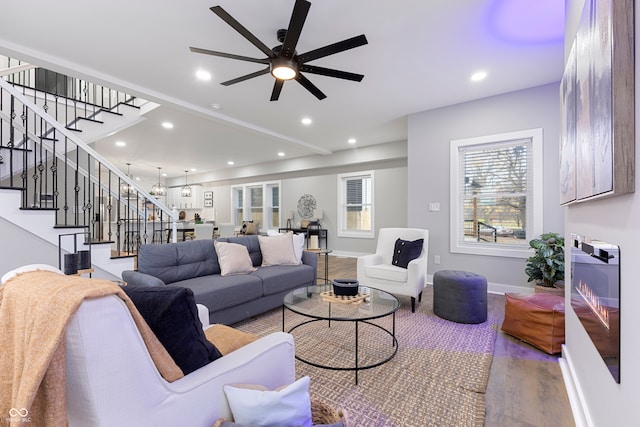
(230, 299)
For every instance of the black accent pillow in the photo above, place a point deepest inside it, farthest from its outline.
(172, 315)
(405, 251)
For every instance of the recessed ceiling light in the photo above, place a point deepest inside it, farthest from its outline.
(351, 141)
(281, 154)
(193, 169)
(203, 75)
(480, 75)
(164, 174)
(306, 121)
(167, 125)
(216, 106)
(230, 163)
(120, 143)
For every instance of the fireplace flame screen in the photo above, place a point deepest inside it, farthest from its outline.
(595, 297)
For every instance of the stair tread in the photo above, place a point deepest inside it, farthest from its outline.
(4, 147)
(123, 256)
(36, 208)
(104, 110)
(91, 120)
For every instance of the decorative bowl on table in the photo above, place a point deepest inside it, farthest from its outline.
(348, 287)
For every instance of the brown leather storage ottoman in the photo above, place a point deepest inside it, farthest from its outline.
(537, 319)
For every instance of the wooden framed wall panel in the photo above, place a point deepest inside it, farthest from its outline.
(603, 164)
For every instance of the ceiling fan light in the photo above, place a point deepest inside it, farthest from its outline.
(284, 69)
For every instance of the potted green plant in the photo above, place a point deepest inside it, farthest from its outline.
(546, 265)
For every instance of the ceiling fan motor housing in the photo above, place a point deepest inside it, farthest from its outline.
(283, 61)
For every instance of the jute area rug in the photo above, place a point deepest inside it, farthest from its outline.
(437, 378)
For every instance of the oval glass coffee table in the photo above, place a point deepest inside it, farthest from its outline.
(318, 304)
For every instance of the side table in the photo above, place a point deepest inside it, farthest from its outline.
(326, 253)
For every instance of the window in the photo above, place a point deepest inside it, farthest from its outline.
(259, 202)
(238, 202)
(356, 205)
(496, 193)
(273, 206)
(255, 204)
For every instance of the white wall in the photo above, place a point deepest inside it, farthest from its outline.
(390, 198)
(320, 179)
(614, 220)
(430, 133)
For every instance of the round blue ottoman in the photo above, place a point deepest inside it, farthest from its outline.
(460, 296)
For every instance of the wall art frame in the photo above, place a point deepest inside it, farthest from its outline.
(208, 195)
(597, 147)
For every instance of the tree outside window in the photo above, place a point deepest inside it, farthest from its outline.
(496, 193)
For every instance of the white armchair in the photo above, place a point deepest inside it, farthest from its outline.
(377, 271)
(111, 379)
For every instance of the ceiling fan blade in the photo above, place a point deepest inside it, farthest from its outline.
(247, 77)
(298, 16)
(229, 55)
(321, 52)
(242, 30)
(331, 73)
(277, 88)
(310, 87)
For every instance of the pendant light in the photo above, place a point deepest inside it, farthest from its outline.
(186, 190)
(158, 189)
(126, 190)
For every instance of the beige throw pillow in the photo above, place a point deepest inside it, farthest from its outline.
(278, 250)
(233, 258)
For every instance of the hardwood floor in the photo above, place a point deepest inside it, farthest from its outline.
(525, 384)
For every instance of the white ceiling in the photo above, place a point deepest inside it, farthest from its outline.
(420, 56)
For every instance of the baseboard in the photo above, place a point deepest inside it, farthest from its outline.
(496, 288)
(576, 397)
(346, 254)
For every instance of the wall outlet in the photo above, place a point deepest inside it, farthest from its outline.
(436, 259)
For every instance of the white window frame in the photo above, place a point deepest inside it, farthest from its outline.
(267, 210)
(269, 206)
(534, 224)
(342, 201)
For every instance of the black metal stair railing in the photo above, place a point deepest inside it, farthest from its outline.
(55, 170)
(68, 99)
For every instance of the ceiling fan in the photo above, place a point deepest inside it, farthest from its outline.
(283, 62)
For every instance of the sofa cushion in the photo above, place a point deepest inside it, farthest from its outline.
(171, 313)
(278, 278)
(228, 339)
(219, 292)
(173, 262)
(278, 250)
(387, 272)
(405, 251)
(233, 258)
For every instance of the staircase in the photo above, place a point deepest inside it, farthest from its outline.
(53, 185)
